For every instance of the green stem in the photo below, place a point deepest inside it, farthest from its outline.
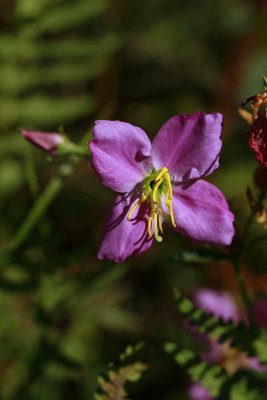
(31, 173)
(73, 149)
(41, 205)
(240, 280)
(52, 189)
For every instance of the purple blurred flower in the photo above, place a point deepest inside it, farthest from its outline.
(48, 142)
(197, 392)
(222, 305)
(218, 303)
(162, 177)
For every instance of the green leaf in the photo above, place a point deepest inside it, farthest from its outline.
(212, 377)
(184, 356)
(118, 377)
(131, 350)
(260, 346)
(134, 371)
(98, 396)
(169, 347)
(49, 60)
(242, 391)
(69, 15)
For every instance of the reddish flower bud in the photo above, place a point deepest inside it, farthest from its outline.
(258, 139)
(48, 142)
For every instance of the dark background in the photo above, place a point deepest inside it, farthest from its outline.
(64, 314)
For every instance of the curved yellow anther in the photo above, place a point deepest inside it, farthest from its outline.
(149, 224)
(169, 205)
(157, 237)
(161, 173)
(155, 188)
(150, 217)
(169, 185)
(143, 198)
(159, 219)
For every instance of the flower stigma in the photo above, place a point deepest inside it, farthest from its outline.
(153, 188)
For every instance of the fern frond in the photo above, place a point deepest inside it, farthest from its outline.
(113, 386)
(237, 335)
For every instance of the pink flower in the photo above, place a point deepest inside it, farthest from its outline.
(160, 178)
(48, 142)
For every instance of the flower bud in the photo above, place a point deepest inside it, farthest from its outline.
(48, 142)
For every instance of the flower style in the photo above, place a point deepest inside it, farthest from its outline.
(160, 178)
(222, 305)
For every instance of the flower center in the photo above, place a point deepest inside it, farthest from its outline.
(154, 186)
(232, 359)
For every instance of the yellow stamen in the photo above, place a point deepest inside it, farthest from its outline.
(143, 198)
(155, 191)
(151, 215)
(169, 185)
(157, 237)
(161, 173)
(156, 210)
(169, 205)
(167, 195)
(159, 219)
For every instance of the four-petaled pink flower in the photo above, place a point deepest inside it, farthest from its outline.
(160, 178)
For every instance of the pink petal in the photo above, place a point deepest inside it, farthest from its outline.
(218, 303)
(119, 151)
(188, 145)
(44, 140)
(202, 213)
(122, 238)
(254, 363)
(197, 392)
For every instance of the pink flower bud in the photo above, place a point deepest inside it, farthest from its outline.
(48, 142)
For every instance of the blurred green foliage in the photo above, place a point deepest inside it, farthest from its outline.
(49, 55)
(65, 315)
(222, 385)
